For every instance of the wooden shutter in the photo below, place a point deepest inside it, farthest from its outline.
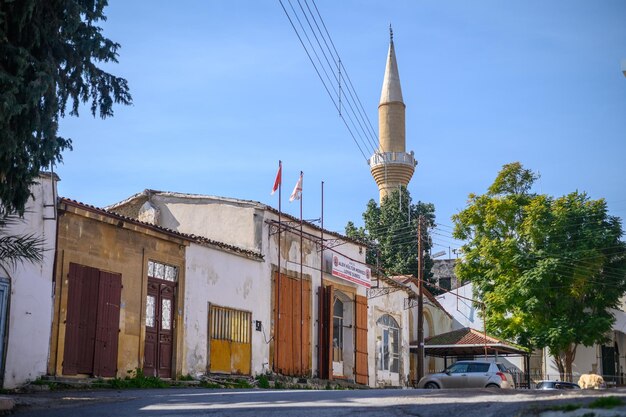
(92, 322)
(306, 329)
(360, 363)
(88, 306)
(107, 329)
(325, 332)
(72, 319)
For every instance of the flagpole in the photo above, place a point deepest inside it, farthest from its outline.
(277, 329)
(301, 278)
(319, 324)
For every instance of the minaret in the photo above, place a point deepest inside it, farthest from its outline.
(391, 166)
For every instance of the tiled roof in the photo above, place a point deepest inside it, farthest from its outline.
(465, 336)
(192, 238)
(257, 204)
(468, 342)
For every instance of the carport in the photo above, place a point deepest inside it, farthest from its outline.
(469, 343)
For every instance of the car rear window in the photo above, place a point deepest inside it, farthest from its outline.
(501, 367)
(478, 367)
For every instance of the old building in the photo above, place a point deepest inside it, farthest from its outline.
(119, 295)
(443, 274)
(309, 314)
(26, 292)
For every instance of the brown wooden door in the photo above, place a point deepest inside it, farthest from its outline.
(159, 328)
(325, 332)
(107, 326)
(92, 323)
(293, 323)
(360, 334)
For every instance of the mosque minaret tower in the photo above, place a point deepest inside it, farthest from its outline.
(391, 166)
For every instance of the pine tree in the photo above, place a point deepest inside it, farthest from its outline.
(49, 51)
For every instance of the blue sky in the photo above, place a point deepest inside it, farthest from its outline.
(223, 89)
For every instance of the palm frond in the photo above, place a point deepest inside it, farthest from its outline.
(21, 248)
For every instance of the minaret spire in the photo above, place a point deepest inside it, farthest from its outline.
(391, 166)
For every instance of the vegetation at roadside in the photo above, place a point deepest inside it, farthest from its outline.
(607, 402)
(548, 269)
(137, 379)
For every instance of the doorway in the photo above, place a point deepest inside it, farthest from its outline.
(160, 308)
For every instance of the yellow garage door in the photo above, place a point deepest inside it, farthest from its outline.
(230, 340)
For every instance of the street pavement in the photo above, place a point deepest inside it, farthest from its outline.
(192, 402)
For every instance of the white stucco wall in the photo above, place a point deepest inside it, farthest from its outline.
(461, 309)
(587, 360)
(30, 315)
(227, 280)
(392, 304)
(222, 221)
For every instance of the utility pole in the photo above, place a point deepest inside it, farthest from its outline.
(420, 301)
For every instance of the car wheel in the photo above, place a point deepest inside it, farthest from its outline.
(431, 385)
(493, 386)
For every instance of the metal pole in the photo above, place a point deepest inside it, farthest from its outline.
(301, 284)
(319, 313)
(277, 326)
(420, 302)
(485, 327)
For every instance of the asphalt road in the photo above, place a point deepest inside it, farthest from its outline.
(192, 402)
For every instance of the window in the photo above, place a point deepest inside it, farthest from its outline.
(162, 271)
(445, 283)
(478, 367)
(458, 368)
(337, 330)
(229, 324)
(388, 345)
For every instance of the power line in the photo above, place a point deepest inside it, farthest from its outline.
(320, 55)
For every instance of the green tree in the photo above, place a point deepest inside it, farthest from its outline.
(390, 231)
(49, 51)
(548, 269)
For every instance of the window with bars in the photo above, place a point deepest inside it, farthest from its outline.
(388, 344)
(230, 324)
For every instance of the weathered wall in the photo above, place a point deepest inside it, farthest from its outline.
(88, 238)
(227, 223)
(312, 263)
(224, 279)
(392, 304)
(30, 313)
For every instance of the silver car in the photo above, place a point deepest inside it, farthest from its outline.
(470, 374)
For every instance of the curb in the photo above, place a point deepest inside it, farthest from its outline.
(6, 403)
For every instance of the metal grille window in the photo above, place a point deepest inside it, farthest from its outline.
(162, 271)
(388, 344)
(229, 324)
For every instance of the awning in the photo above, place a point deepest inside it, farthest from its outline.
(467, 342)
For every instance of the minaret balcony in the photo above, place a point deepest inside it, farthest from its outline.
(392, 158)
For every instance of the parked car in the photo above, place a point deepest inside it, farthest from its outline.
(470, 374)
(552, 385)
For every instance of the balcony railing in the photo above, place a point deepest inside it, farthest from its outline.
(380, 158)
